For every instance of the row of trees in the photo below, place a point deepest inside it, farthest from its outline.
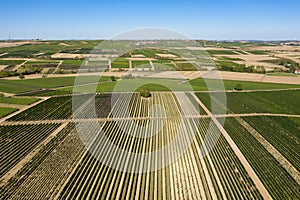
(243, 68)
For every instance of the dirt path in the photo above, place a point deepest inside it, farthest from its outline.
(59, 64)
(272, 150)
(17, 66)
(260, 186)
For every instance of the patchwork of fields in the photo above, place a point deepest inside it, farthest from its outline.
(260, 139)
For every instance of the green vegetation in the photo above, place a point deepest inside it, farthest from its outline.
(145, 92)
(71, 64)
(120, 63)
(256, 102)
(258, 52)
(282, 74)
(288, 63)
(154, 84)
(235, 67)
(225, 52)
(19, 86)
(5, 111)
(225, 58)
(22, 101)
(10, 136)
(140, 64)
(11, 62)
(44, 49)
(275, 178)
(239, 87)
(199, 84)
(282, 132)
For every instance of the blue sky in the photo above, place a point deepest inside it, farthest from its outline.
(227, 19)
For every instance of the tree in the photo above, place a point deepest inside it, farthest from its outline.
(145, 92)
(239, 87)
(21, 76)
(113, 78)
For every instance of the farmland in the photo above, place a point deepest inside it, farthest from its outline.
(190, 137)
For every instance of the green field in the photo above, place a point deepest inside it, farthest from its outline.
(225, 52)
(282, 74)
(5, 111)
(282, 132)
(276, 179)
(19, 86)
(44, 49)
(140, 64)
(258, 52)
(120, 63)
(11, 62)
(255, 102)
(22, 101)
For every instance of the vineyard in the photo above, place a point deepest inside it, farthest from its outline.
(17, 143)
(219, 175)
(281, 186)
(189, 155)
(255, 102)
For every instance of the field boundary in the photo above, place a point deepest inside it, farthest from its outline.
(272, 150)
(260, 186)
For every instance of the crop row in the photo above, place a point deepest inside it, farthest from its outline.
(276, 179)
(63, 107)
(50, 168)
(256, 102)
(219, 175)
(19, 140)
(282, 133)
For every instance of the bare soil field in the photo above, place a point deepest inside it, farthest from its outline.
(12, 44)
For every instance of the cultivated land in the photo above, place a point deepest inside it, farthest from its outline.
(43, 156)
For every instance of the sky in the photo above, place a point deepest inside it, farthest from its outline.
(197, 19)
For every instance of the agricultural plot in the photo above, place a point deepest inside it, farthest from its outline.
(255, 102)
(54, 108)
(11, 62)
(282, 133)
(188, 177)
(42, 63)
(276, 179)
(19, 140)
(19, 100)
(140, 64)
(4, 111)
(222, 52)
(71, 64)
(48, 170)
(62, 108)
(120, 63)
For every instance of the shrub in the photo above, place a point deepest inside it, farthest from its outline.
(113, 78)
(145, 92)
(21, 76)
(239, 87)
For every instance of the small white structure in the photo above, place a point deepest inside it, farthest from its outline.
(297, 71)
